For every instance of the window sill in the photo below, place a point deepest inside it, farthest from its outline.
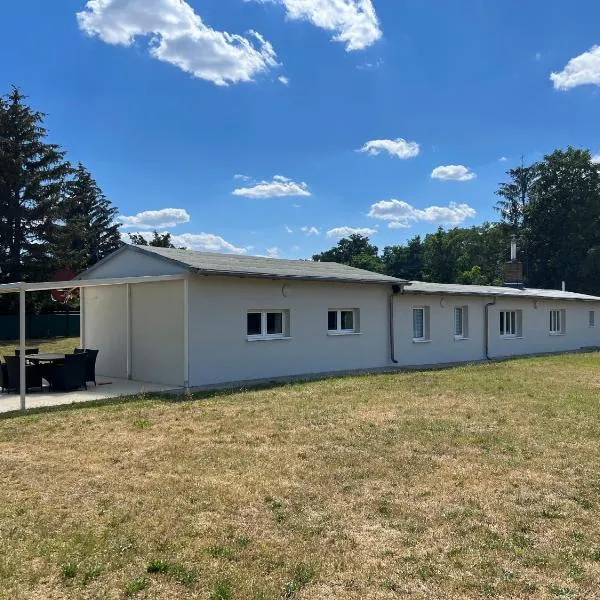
(268, 339)
(511, 337)
(553, 333)
(460, 338)
(341, 333)
(416, 341)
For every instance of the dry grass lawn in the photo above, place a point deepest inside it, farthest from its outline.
(474, 482)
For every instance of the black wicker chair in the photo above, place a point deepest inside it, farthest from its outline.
(33, 375)
(90, 363)
(68, 375)
(3, 377)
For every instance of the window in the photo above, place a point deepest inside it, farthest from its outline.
(511, 323)
(557, 322)
(592, 318)
(461, 322)
(267, 324)
(421, 324)
(342, 321)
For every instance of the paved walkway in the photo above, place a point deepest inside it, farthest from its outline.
(108, 387)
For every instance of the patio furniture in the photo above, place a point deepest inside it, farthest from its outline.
(3, 378)
(69, 374)
(33, 375)
(90, 363)
(28, 351)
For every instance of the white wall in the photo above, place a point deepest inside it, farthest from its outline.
(536, 327)
(220, 351)
(444, 348)
(157, 332)
(105, 328)
(131, 263)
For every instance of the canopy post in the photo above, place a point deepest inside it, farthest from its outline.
(22, 371)
(82, 317)
(128, 348)
(186, 335)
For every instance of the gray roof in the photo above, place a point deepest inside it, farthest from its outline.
(421, 287)
(211, 263)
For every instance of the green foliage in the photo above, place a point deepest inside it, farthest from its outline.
(221, 552)
(355, 251)
(158, 566)
(136, 585)
(159, 240)
(303, 574)
(68, 570)
(86, 231)
(221, 590)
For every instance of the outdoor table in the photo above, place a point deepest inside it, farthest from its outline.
(49, 357)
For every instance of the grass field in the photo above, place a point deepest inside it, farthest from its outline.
(55, 345)
(474, 482)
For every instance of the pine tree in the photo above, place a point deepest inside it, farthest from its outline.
(86, 230)
(32, 174)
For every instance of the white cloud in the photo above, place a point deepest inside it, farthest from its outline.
(284, 80)
(310, 230)
(453, 173)
(342, 232)
(280, 186)
(178, 36)
(288, 229)
(273, 252)
(204, 242)
(398, 147)
(242, 177)
(165, 217)
(354, 22)
(401, 214)
(503, 159)
(581, 70)
(538, 56)
(596, 159)
(370, 66)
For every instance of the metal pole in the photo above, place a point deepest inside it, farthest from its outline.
(22, 372)
(186, 335)
(82, 317)
(128, 328)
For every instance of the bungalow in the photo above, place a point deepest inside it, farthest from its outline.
(191, 319)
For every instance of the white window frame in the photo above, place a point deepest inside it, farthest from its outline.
(464, 333)
(592, 318)
(338, 330)
(263, 335)
(558, 321)
(517, 331)
(426, 329)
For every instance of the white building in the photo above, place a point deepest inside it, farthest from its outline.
(218, 318)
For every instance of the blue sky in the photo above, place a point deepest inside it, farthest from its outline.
(275, 126)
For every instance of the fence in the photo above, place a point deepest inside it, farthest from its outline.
(40, 326)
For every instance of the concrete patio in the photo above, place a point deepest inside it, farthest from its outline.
(108, 387)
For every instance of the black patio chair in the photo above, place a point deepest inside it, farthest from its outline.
(3, 378)
(33, 375)
(27, 351)
(90, 363)
(69, 374)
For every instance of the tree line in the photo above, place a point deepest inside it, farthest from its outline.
(552, 207)
(53, 215)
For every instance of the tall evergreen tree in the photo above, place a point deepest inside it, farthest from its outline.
(515, 196)
(86, 231)
(32, 175)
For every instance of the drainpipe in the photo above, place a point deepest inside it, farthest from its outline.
(396, 289)
(486, 332)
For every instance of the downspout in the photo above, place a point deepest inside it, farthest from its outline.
(396, 289)
(486, 332)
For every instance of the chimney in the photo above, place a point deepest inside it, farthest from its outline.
(513, 270)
